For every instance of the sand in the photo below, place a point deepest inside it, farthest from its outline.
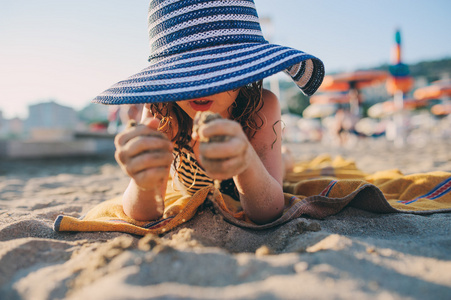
(351, 255)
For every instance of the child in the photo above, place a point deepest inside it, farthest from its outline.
(207, 56)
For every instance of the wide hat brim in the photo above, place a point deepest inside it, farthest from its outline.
(204, 72)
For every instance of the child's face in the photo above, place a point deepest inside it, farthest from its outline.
(218, 103)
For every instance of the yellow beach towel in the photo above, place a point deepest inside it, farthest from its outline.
(316, 189)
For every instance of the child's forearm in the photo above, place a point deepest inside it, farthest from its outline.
(261, 195)
(144, 205)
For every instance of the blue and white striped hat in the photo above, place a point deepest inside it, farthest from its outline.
(204, 47)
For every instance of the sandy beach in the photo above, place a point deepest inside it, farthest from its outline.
(351, 255)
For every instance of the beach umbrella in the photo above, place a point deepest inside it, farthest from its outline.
(377, 111)
(368, 127)
(353, 82)
(400, 80)
(398, 84)
(440, 89)
(388, 108)
(330, 98)
(402, 84)
(437, 90)
(409, 104)
(441, 109)
(316, 110)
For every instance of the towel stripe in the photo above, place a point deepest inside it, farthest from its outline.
(158, 224)
(328, 188)
(437, 192)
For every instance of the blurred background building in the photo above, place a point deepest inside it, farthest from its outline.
(53, 130)
(50, 121)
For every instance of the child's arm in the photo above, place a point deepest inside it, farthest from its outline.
(256, 165)
(145, 154)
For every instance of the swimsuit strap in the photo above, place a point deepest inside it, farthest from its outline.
(191, 177)
(189, 173)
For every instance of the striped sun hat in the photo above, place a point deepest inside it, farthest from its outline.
(204, 47)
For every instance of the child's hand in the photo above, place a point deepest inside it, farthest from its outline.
(144, 153)
(226, 157)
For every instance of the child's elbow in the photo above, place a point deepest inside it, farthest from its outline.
(268, 216)
(139, 216)
(142, 214)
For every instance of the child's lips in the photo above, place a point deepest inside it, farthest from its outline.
(201, 104)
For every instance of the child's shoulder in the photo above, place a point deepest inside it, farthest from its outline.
(270, 102)
(268, 95)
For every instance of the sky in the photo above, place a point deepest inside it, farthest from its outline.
(70, 51)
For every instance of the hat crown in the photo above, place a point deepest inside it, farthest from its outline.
(177, 26)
